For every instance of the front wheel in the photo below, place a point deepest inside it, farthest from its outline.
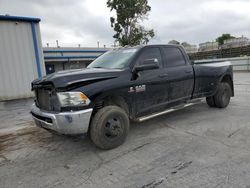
(109, 127)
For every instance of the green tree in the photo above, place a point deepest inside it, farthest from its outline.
(224, 37)
(129, 15)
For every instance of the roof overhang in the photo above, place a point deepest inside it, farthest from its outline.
(19, 18)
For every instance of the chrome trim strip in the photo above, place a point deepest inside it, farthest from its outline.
(144, 118)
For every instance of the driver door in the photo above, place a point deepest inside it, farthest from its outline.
(150, 86)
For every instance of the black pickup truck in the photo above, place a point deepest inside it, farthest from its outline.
(131, 83)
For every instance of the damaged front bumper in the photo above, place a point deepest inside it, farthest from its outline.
(65, 122)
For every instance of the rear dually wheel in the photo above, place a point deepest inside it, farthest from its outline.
(222, 97)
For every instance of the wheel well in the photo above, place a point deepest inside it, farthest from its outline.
(228, 79)
(102, 101)
(111, 100)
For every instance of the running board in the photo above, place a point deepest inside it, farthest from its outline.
(179, 107)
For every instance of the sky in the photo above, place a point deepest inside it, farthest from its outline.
(85, 22)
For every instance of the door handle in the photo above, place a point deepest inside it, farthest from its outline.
(163, 75)
(188, 71)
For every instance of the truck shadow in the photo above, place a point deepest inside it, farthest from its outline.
(33, 138)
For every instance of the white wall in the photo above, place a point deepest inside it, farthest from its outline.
(17, 59)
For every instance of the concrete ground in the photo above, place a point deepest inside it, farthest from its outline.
(194, 147)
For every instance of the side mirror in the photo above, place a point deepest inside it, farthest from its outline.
(148, 64)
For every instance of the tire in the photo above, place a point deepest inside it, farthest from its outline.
(223, 95)
(109, 127)
(210, 101)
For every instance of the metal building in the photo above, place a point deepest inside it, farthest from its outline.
(63, 58)
(235, 42)
(190, 48)
(21, 56)
(208, 46)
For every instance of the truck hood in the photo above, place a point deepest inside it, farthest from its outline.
(78, 77)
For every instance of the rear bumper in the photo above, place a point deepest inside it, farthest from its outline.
(65, 122)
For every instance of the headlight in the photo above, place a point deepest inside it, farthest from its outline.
(73, 99)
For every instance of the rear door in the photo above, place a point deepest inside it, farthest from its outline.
(150, 86)
(180, 74)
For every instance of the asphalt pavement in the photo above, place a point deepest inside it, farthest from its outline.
(197, 146)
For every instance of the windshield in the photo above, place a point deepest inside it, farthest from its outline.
(114, 59)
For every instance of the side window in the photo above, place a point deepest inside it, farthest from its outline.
(173, 57)
(150, 53)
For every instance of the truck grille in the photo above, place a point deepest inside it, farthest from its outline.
(46, 99)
